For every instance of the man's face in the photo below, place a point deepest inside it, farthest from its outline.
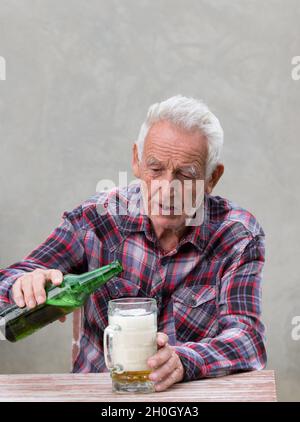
(171, 155)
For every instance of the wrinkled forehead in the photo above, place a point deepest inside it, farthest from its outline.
(166, 141)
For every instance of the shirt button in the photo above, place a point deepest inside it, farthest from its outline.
(115, 290)
(193, 301)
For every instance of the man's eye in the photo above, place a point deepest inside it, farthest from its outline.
(186, 176)
(156, 170)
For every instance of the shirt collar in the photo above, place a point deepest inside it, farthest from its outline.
(137, 221)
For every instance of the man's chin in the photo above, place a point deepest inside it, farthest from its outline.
(168, 221)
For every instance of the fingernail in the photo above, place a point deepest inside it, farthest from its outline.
(31, 303)
(152, 363)
(153, 377)
(40, 300)
(21, 304)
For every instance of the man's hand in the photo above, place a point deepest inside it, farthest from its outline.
(166, 365)
(29, 289)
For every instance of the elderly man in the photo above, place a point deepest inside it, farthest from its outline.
(206, 277)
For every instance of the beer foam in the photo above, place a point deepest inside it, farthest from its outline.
(131, 312)
(135, 339)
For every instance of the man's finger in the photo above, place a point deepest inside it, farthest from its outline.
(28, 292)
(162, 356)
(39, 282)
(162, 339)
(173, 378)
(55, 276)
(166, 369)
(18, 294)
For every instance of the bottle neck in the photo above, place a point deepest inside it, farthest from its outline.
(93, 279)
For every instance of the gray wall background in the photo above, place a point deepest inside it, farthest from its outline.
(80, 78)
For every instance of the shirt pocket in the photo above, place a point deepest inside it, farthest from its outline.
(195, 313)
(119, 287)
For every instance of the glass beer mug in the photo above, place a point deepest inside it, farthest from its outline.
(129, 341)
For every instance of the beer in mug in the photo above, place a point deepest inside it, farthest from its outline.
(129, 341)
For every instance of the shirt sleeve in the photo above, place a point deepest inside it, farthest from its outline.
(240, 341)
(63, 250)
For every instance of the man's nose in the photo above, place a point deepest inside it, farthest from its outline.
(169, 176)
(172, 187)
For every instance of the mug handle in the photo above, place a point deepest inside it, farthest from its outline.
(109, 332)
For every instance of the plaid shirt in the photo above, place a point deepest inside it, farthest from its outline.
(208, 289)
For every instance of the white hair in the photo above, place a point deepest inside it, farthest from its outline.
(189, 114)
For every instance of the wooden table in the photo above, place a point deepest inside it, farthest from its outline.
(248, 386)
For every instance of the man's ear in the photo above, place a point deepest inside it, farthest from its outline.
(214, 178)
(135, 162)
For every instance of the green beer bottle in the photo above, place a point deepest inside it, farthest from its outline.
(17, 323)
